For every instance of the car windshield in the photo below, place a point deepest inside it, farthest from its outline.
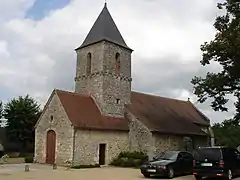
(168, 155)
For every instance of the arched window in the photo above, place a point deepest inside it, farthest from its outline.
(51, 118)
(89, 63)
(117, 63)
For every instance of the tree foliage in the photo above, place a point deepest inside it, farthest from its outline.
(224, 49)
(21, 114)
(227, 133)
(1, 109)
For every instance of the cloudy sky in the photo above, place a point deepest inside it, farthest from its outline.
(38, 38)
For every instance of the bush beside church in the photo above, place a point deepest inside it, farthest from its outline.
(130, 159)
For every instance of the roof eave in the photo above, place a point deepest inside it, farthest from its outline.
(178, 133)
(203, 115)
(207, 124)
(86, 45)
(45, 106)
(100, 129)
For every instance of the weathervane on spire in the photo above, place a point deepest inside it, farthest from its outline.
(105, 4)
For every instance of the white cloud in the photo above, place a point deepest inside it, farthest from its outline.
(37, 56)
(14, 8)
(4, 49)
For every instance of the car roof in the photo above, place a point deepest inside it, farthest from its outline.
(178, 151)
(174, 151)
(213, 147)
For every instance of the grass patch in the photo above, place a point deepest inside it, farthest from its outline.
(85, 166)
(13, 161)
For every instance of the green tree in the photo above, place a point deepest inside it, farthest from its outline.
(225, 50)
(21, 114)
(1, 109)
(227, 133)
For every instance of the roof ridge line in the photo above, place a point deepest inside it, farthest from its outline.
(106, 40)
(96, 104)
(198, 111)
(158, 96)
(71, 92)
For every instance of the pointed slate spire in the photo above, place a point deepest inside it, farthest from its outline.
(104, 28)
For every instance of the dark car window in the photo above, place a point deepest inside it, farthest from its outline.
(231, 153)
(169, 155)
(180, 155)
(187, 156)
(158, 156)
(228, 153)
(209, 153)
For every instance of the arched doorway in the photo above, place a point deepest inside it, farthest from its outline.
(51, 147)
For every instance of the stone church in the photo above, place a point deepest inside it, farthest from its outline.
(103, 117)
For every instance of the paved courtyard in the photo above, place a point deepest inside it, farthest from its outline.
(39, 172)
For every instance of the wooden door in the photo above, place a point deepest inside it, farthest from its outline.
(102, 151)
(51, 147)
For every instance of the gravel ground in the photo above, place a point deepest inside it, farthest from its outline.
(39, 172)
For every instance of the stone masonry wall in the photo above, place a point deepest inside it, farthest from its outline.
(63, 129)
(87, 145)
(104, 84)
(116, 86)
(140, 138)
(90, 84)
(165, 142)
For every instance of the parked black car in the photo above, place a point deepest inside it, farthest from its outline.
(216, 162)
(169, 164)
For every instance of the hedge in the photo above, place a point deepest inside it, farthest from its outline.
(130, 159)
(29, 159)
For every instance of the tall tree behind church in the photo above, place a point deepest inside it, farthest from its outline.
(21, 114)
(225, 50)
(227, 133)
(1, 110)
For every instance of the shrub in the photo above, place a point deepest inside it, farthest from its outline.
(4, 158)
(85, 166)
(29, 159)
(133, 155)
(130, 159)
(13, 154)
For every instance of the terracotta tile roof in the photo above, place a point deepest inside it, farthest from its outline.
(83, 112)
(167, 115)
(157, 113)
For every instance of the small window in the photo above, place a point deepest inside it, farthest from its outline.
(117, 63)
(118, 101)
(89, 64)
(51, 118)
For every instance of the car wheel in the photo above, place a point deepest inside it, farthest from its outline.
(146, 175)
(229, 175)
(170, 173)
(197, 177)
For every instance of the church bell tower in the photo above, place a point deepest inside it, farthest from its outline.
(104, 66)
